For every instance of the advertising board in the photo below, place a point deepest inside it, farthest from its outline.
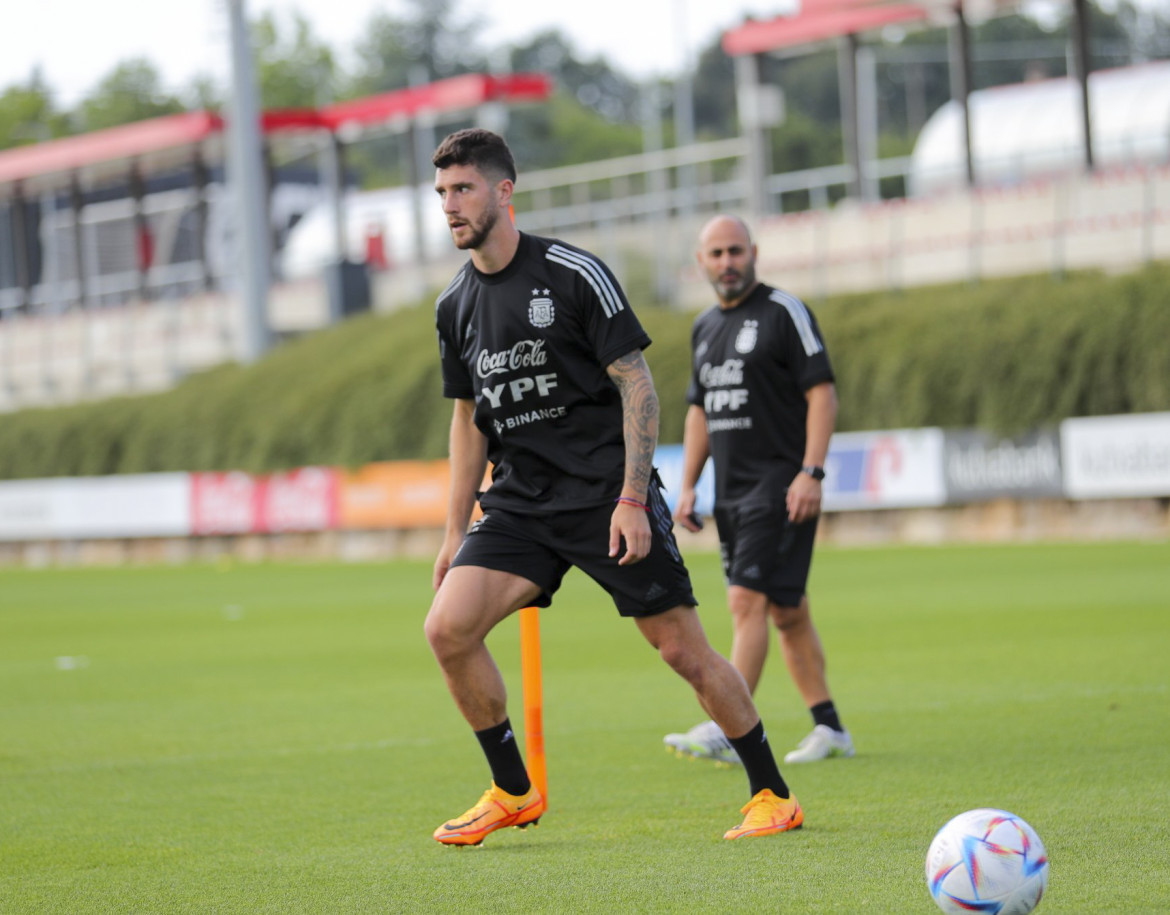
(979, 466)
(66, 508)
(901, 468)
(1116, 456)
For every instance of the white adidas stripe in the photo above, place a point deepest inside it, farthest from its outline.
(611, 302)
(800, 317)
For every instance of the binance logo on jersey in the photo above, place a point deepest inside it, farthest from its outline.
(540, 310)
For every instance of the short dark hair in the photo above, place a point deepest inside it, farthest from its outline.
(477, 147)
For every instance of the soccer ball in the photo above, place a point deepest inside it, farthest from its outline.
(988, 861)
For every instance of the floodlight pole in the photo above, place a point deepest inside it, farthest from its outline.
(422, 147)
(847, 88)
(959, 45)
(867, 123)
(753, 127)
(684, 112)
(1083, 64)
(247, 185)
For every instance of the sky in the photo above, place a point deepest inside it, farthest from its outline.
(75, 43)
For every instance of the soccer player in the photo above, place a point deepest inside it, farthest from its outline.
(543, 358)
(762, 406)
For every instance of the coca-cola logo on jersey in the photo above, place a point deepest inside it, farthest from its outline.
(524, 354)
(719, 376)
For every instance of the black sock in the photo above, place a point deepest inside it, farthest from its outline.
(503, 756)
(756, 755)
(826, 713)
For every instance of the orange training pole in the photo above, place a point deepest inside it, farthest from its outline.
(533, 703)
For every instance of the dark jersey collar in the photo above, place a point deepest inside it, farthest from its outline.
(502, 276)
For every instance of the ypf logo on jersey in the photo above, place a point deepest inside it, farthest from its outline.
(540, 310)
(745, 340)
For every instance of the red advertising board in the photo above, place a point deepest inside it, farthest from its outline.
(223, 503)
(299, 500)
(239, 503)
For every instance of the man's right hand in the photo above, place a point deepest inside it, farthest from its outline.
(684, 511)
(447, 551)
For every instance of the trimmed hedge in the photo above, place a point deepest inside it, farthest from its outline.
(1004, 355)
(1007, 355)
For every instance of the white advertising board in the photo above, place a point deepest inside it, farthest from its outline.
(1116, 456)
(900, 468)
(134, 505)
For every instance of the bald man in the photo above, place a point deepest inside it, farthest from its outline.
(762, 405)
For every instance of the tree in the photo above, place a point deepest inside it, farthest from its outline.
(204, 94)
(592, 83)
(437, 44)
(132, 91)
(562, 131)
(294, 71)
(399, 52)
(27, 114)
(713, 91)
(1147, 30)
(382, 59)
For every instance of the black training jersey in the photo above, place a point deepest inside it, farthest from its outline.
(751, 365)
(530, 344)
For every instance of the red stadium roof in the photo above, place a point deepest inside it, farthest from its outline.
(130, 141)
(454, 94)
(821, 21)
(166, 142)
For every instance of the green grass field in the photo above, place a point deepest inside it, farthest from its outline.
(278, 739)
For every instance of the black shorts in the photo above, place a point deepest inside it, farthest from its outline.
(763, 551)
(542, 547)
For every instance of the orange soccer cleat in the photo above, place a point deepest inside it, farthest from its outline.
(495, 810)
(767, 814)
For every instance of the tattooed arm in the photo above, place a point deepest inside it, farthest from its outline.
(640, 430)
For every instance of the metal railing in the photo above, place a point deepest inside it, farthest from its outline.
(637, 212)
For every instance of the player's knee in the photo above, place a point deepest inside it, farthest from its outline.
(672, 653)
(789, 617)
(681, 657)
(434, 630)
(746, 605)
(445, 638)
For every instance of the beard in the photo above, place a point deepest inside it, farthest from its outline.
(479, 231)
(731, 285)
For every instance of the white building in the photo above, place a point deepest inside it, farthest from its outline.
(1029, 130)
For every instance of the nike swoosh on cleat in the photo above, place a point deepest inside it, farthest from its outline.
(466, 822)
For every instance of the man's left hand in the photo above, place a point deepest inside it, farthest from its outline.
(804, 498)
(632, 524)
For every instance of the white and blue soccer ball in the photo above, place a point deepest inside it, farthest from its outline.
(986, 861)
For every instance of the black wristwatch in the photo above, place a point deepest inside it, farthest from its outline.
(817, 473)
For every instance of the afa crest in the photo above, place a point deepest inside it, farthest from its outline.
(540, 310)
(745, 340)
